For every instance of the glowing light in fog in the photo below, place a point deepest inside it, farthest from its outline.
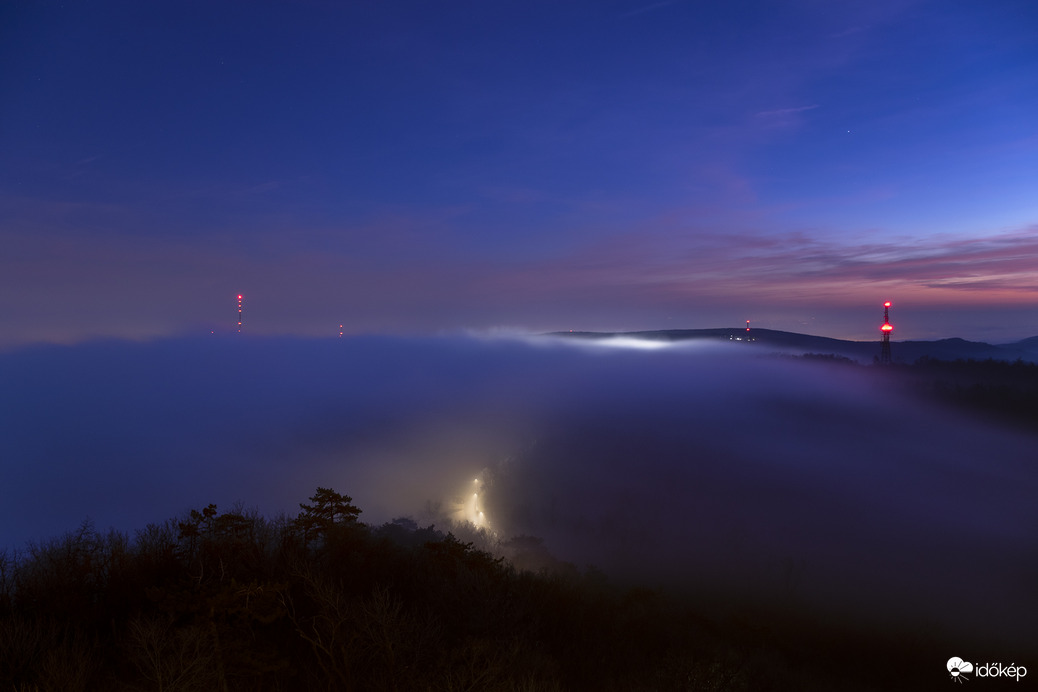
(468, 508)
(626, 343)
(632, 342)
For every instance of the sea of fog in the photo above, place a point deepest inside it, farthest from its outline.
(700, 466)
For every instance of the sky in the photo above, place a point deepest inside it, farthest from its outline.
(416, 167)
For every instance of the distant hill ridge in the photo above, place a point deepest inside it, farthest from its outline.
(863, 351)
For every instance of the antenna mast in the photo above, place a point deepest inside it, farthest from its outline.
(884, 353)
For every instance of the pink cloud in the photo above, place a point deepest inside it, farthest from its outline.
(769, 268)
(388, 275)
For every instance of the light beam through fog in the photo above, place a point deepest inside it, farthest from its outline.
(711, 470)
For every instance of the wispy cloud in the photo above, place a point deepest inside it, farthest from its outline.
(776, 267)
(784, 112)
(393, 275)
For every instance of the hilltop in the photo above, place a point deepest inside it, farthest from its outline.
(862, 351)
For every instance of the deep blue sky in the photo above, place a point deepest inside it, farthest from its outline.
(417, 166)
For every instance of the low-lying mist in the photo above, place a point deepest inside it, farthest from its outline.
(693, 467)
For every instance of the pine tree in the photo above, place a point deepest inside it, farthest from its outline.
(328, 511)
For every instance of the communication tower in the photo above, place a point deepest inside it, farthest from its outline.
(239, 313)
(884, 353)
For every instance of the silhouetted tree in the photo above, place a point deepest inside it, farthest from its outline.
(329, 510)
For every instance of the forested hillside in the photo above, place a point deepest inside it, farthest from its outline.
(321, 601)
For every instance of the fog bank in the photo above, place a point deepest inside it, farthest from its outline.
(688, 465)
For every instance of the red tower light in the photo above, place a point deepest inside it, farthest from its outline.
(884, 354)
